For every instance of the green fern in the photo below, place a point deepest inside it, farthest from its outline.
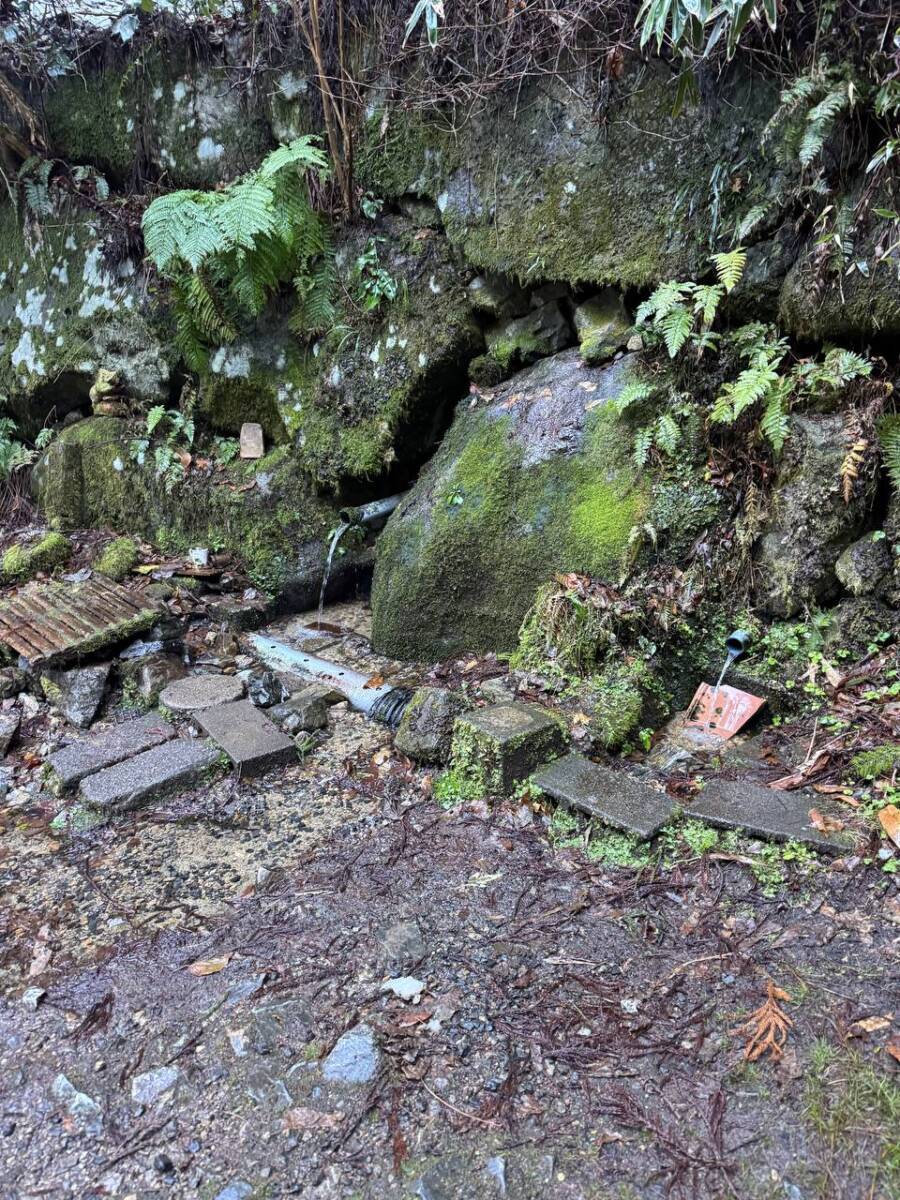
(227, 252)
(730, 267)
(636, 391)
(643, 444)
(676, 327)
(889, 437)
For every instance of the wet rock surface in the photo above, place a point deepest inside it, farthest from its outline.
(426, 727)
(780, 815)
(252, 742)
(129, 783)
(614, 797)
(77, 693)
(104, 748)
(197, 692)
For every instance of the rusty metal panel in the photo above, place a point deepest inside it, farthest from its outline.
(721, 711)
(50, 622)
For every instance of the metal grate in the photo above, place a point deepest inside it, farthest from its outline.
(49, 622)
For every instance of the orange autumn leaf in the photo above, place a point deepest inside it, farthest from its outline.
(890, 822)
(823, 823)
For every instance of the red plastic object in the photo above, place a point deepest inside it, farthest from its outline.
(722, 711)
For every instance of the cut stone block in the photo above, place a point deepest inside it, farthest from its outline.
(766, 812)
(73, 763)
(614, 797)
(247, 736)
(196, 692)
(253, 442)
(130, 783)
(502, 744)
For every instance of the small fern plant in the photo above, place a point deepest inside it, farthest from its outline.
(226, 252)
(683, 313)
(889, 438)
(808, 112)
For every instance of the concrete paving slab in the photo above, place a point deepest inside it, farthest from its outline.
(503, 743)
(196, 692)
(129, 784)
(252, 742)
(612, 796)
(73, 763)
(766, 812)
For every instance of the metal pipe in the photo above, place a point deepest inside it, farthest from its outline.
(371, 513)
(384, 703)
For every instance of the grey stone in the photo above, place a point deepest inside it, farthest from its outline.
(32, 997)
(614, 797)
(498, 296)
(129, 783)
(454, 1178)
(197, 692)
(12, 681)
(252, 440)
(864, 564)
(766, 812)
(426, 727)
(810, 525)
(602, 324)
(151, 1085)
(405, 987)
(502, 744)
(77, 693)
(265, 689)
(82, 1108)
(5, 780)
(9, 727)
(401, 945)
(237, 1189)
(247, 736)
(519, 341)
(243, 989)
(71, 764)
(278, 1025)
(310, 706)
(354, 1059)
(156, 672)
(237, 612)
(500, 690)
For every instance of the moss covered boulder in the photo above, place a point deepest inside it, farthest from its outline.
(537, 479)
(262, 511)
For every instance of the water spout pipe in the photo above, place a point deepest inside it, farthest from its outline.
(384, 703)
(738, 644)
(371, 514)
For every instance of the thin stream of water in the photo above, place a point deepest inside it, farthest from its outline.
(729, 659)
(335, 539)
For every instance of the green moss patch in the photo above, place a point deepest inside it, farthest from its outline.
(21, 563)
(117, 558)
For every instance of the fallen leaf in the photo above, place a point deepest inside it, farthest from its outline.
(310, 1118)
(893, 1048)
(381, 756)
(209, 966)
(823, 823)
(374, 681)
(870, 1025)
(890, 822)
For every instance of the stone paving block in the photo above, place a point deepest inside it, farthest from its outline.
(614, 797)
(71, 764)
(502, 744)
(252, 742)
(196, 692)
(766, 812)
(130, 783)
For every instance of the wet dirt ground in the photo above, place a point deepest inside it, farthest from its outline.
(578, 1031)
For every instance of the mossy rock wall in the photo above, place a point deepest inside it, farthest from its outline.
(536, 480)
(262, 512)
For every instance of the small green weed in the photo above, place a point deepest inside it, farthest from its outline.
(455, 787)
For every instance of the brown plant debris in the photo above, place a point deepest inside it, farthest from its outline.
(767, 1028)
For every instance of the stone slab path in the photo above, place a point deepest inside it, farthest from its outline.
(196, 692)
(252, 742)
(612, 796)
(73, 763)
(766, 812)
(129, 783)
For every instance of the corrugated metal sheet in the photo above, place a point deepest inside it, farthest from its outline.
(50, 622)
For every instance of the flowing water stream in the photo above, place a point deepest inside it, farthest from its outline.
(332, 549)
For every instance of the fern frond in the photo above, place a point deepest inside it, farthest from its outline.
(706, 301)
(676, 328)
(663, 300)
(730, 267)
(775, 420)
(634, 392)
(889, 439)
(245, 213)
(302, 152)
(643, 443)
(668, 435)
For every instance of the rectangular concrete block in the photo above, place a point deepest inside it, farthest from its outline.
(612, 796)
(252, 742)
(502, 744)
(766, 812)
(71, 764)
(155, 772)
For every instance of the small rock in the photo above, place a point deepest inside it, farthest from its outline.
(32, 997)
(147, 1088)
(82, 1108)
(12, 681)
(156, 672)
(9, 727)
(603, 325)
(426, 727)
(496, 1168)
(864, 564)
(140, 649)
(236, 1190)
(265, 689)
(253, 443)
(354, 1058)
(311, 705)
(77, 693)
(163, 1164)
(402, 945)
(405, 988)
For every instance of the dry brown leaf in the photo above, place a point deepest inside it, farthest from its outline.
(823, 823)
(209, 966)
(893, 1048)
(374, 681)
(870, 1025)
(766, 1029)
(889, 818)
(298, 1119)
